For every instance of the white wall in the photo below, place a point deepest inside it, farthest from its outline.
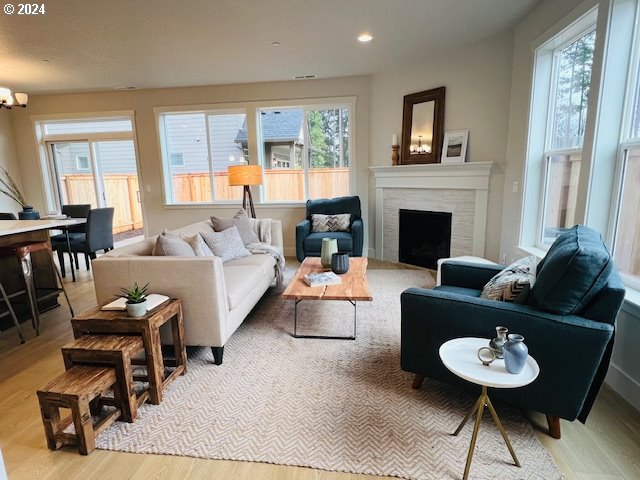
(8, 158)
(478, 80)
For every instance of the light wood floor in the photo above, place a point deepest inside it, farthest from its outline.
(608, 447)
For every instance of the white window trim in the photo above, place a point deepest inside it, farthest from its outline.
(252, 109)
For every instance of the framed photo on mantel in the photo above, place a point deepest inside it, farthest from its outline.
(454, 149)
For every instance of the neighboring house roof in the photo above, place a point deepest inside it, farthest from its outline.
(277, 126)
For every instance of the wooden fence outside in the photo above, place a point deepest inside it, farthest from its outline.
(122, 190)
(122, 193)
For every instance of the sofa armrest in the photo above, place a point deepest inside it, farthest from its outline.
(205, 307)
(357, 230)
(276, 235)
(468, 275)
(303, 229)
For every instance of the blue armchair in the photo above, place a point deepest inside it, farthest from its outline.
(308, 243)
(568, 324)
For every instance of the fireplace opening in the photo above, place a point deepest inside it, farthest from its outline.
(424, 237)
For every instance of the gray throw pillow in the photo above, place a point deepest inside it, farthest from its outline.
(226, 244)
(340, 222)
(514, 283)
(172, 246)
(241, 222)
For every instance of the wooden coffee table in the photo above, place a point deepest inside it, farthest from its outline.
(354, 288)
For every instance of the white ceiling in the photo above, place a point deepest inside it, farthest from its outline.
(99, 45)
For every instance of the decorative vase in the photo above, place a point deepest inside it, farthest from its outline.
(28, 213)
(515, 353)
(137, 309)
(340, 263)
(329, 247)
(498, 343)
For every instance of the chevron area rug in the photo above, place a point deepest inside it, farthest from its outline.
(334, 405)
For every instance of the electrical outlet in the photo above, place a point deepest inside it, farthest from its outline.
(504, 258)
(515, 186)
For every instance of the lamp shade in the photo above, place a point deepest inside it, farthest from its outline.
(245, 175)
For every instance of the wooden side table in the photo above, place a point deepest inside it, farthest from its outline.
(98, 321)
(460, 357)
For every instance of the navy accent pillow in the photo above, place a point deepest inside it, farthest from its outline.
(575, 269)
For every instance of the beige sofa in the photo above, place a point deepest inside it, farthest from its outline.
(215, 297)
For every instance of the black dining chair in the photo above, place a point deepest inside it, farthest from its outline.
(7, 216)
(76, 210)
(99, 236)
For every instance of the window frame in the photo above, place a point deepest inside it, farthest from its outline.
(172, 163)
(252, 109)
(88, 160)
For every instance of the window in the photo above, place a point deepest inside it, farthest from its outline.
(176, 159)
(201, 146)
(567, 113)
(82, 162)
(627, 225)
(305, 152)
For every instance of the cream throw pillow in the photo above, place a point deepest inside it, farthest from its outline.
(198, 245)
(171, 245)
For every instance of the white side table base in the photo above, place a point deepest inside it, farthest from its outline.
(483, 400)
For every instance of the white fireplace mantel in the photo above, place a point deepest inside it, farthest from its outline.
(429, 184)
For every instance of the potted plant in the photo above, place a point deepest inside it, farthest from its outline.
(136, 300)
(11, 190)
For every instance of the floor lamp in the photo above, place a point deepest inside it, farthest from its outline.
(245, 176)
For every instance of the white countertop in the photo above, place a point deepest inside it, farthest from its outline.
(460, 356)
(11, 227)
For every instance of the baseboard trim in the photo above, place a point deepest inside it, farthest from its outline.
(627, 387)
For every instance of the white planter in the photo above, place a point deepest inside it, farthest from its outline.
(137, 309)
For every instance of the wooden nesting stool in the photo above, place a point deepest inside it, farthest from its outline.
(115, 351)
(79, 389)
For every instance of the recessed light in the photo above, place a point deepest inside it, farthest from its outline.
(276, 44)
(365, 37)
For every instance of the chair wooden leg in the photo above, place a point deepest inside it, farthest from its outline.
(417, 381)
(554, 426)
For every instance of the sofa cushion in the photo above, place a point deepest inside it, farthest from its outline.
(168, 245)
(241, 221)
(240, 280)
(313, 241)
(575, 269)
(340, 222)
(265, 263)
(226, 244)
(514, 283)
(469, 292)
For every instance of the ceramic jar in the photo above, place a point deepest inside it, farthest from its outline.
(340, 263)
(515, 353)
(28, 213)
(497, 343)
(329, 247)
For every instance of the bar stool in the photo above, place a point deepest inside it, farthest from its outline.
(6, 299)
(23, 252)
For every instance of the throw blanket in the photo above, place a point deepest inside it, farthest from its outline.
(262, 227)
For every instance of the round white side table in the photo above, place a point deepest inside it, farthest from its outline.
(460, 356)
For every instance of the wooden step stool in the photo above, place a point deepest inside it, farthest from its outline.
(78, 389)
(114, 351)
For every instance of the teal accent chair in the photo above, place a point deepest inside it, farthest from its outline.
(308, 243)
(568, 323)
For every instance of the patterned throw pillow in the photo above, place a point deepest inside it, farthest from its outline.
(340, 222)
(513, 283)
(226, 244)
(197, 244)
(171, 245)
(241, 222)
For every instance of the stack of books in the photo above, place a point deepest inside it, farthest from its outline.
(322, 278)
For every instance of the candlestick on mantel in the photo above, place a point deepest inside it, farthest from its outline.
(395, 154)
(394, 139)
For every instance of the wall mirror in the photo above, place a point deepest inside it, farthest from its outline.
(422, 127)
